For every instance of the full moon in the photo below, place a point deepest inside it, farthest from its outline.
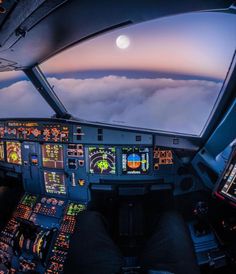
(122, 42)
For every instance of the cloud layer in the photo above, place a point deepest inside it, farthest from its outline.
(22, 100)
(163, 104)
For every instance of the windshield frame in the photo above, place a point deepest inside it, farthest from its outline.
(223, 101)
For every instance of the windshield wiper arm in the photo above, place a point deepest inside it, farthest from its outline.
(42, 85)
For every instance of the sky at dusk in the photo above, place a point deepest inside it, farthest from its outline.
(163, 74)
(200, 44)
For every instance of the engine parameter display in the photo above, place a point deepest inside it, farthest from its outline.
(2, 155)
(54, 183)
(102, 160)
(53, 156)
(14, 153)
(135, 160)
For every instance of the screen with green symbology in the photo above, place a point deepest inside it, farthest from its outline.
(102, 160)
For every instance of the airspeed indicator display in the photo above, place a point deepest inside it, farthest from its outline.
(102, 160)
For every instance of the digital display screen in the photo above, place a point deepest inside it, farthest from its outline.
(162, 157)
(74, 209)
(102, 160)
(53, 156)
(228, 182)
(2, 156)
(135, 160)
(29, 200)
(54, 183)
(14, 153)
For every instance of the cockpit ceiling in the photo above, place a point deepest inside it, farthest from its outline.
(32, 31)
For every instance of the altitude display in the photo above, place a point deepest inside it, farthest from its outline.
(53, 156)
(102, 160)
(54, 183)
(229, 180)
(135, 160)
(14, 153)
(2, 156)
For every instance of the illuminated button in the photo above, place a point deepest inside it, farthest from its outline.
(60, 203)
(81, 182)
(54, 202)
(81, 162)
(43, 200)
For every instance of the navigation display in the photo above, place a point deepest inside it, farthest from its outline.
(2, 155)
(228, 181)
(102, 160)
(135, 160)
(14, 153)
(54, 183)
(53, 156)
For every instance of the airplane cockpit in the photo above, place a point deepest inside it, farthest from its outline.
(117, 137)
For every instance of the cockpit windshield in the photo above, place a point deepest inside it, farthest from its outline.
(165, 74)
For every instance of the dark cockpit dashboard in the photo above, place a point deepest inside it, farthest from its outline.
(64, 164)
(63, 158)
(61, 163)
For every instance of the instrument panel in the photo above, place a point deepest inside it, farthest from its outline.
(62, 158)
(61, 162)
(34, 131)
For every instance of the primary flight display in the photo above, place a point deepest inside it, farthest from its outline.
(135, 160)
